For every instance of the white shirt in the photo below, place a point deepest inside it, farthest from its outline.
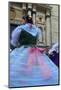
(54, 48)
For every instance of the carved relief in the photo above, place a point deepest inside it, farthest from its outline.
(12, 13)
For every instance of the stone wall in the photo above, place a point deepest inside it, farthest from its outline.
(54, 23)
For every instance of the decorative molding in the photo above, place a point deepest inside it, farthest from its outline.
(48, 13)
(15, 7)
(30, 5)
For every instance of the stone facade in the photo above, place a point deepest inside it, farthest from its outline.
(55, 23)
(44, 16)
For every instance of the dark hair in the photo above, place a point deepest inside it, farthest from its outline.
(28, 19)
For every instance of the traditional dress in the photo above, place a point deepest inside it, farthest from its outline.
(29, 65)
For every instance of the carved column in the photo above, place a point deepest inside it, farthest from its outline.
(48, 28)
(34, 14)
(24, 6)
(29, 9)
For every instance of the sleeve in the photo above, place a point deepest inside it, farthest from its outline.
(15, 35)
(50, 51)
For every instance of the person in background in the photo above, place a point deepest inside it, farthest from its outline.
(54, 54)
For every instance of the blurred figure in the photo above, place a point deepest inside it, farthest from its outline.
(54, 54)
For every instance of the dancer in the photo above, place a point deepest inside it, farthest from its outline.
(29, 65)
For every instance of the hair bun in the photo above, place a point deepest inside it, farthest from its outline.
(28, 18)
